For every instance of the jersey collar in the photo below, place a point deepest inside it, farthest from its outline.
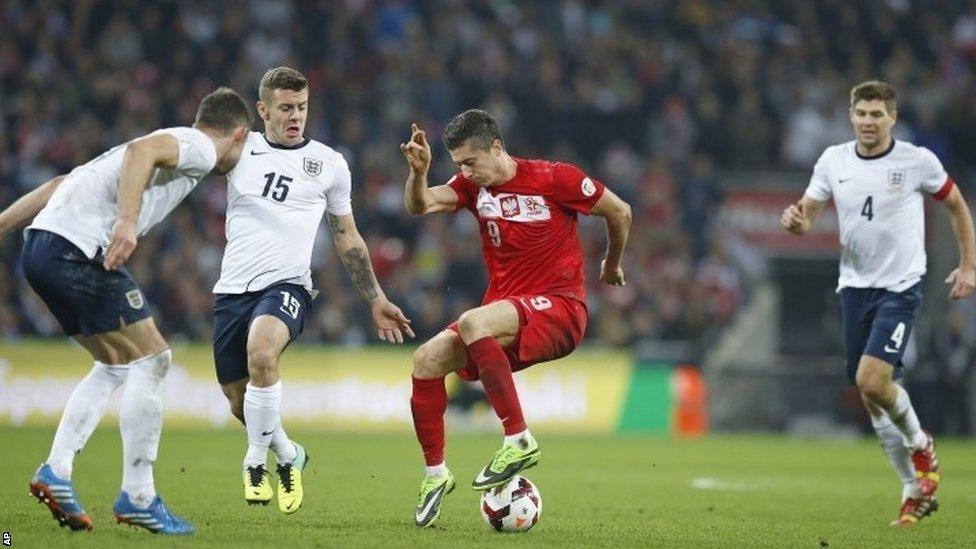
(285, 147)
(876, 156)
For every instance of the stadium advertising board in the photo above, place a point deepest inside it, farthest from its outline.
(755, 214)
(328, 388)
(592, 391)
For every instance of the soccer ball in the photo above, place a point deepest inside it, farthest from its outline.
(512, 507)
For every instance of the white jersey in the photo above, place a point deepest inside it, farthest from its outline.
(84, 207)
(276, 196)
(880, 209)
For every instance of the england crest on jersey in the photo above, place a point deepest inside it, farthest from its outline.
(313, 166)
(896, 177)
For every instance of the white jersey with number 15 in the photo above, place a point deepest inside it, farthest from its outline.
(276, 196)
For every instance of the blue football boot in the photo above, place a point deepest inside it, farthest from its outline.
(155, 518)
(59, 496)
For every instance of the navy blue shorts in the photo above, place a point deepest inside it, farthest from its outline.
(84, 297)
(233, 314)
(878, 323)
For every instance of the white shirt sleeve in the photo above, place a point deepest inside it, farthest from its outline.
(198, 155)
(932, 176)
(819, 188)
(338, 194)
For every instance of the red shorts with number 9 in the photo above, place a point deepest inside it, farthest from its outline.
(550, 327)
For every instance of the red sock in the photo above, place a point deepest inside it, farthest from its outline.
(428, 404)
(496, 375)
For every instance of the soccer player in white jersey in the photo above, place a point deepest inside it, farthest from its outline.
(87, 224)
(277, 195)
(877, 185)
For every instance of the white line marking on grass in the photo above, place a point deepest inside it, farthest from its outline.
(706, 483)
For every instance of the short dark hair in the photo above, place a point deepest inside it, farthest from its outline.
(875, 90)
(474, 124)
(281, 78)
(223, 110)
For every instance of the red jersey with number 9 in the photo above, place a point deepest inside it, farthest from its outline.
(528, 228)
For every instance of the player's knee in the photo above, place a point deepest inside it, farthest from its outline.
(427, 364)
(471, 327)
(261, 358)
(262, 364)
(871, 384)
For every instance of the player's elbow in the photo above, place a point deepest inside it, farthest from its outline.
(414, 208)
(622, 214)
(956, 204)
(626, 213)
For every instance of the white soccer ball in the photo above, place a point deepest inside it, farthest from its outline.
(512, 507)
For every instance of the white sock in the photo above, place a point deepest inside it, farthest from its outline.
(519, 439)
(902, 414)
(438, 470)
(893, 444)
(141, 421)
(910, 490)
(282, 446)
(81, 415)
(261, 405)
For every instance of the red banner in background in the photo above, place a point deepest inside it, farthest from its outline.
(755, 215)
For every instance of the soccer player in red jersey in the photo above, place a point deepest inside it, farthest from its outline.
(534, 309)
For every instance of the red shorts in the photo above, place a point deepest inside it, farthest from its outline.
(550, 327)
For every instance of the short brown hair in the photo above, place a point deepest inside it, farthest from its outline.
(875, 90)
(223, 110)
(475, 124)
(281, 78)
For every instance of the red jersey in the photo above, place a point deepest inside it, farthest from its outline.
(528, 228)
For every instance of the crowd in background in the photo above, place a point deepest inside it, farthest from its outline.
(656, 98)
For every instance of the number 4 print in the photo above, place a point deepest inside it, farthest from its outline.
(897, 337)
(867, 210)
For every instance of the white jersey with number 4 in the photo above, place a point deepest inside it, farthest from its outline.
(276, 196)
(881, 212)
(84, 207)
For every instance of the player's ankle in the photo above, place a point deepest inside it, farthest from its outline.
(918, 441)
(438, 470)
(522, 439)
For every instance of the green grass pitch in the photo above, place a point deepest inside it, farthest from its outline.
(733, 491)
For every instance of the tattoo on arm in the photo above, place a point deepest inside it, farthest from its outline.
(336, 225)
(355, 257)
(360, 270)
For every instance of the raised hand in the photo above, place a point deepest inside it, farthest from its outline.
(417, 150)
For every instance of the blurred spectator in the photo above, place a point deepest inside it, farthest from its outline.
(954, 353)
(655, 98)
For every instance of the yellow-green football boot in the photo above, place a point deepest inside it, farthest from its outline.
(257, 486)
(290, 490)
(432, 492)
(507, 462)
